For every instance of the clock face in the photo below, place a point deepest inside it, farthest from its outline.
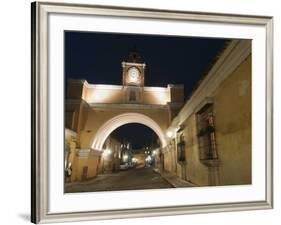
(133, 75)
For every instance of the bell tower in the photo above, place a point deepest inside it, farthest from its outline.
(133, 70)
(133, 77)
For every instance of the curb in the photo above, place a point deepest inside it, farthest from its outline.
(172, 183)
(174, 186)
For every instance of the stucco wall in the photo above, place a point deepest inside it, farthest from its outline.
(91, 93)
(232, 111)
(156, 95)
(104, 94)
(96, 118)
(233, 126)
(111, 160)
(196, 172)
(117, 94)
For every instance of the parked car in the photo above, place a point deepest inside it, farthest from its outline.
(124, 166)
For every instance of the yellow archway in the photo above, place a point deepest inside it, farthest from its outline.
(108, 127)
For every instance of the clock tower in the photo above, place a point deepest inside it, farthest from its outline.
(133, 70)
(133, 77)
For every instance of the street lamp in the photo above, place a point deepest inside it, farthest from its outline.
(148, 158)
(169, 133)
(107, 152)
(125, 158)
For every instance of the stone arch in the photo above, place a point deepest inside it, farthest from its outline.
(108, 127)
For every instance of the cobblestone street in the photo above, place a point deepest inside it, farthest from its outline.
(132, 179)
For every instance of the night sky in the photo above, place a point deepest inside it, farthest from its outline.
(97, 57)
(137, 134)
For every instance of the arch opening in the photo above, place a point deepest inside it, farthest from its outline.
(137, 135)
(126, 118)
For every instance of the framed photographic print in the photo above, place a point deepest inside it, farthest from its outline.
(144, 112)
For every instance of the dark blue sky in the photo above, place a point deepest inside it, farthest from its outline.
(97, 58)
(137, 134)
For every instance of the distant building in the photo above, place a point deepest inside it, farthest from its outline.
(139, 157)
(111, 156)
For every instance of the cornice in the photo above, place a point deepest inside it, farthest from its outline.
(86, 153)
(110, 106)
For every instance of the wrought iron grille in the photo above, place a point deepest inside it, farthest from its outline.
(206, 133)
(181, 149)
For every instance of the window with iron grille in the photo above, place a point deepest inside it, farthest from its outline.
(181, 149)
(206, 133)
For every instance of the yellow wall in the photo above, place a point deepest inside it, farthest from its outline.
(232, 111)
(168, 161)
(140, 157)
(156, 95)
(233, 126)
(196, 172)
(78, 169)
(104, 94)
(111, 162)
(92, 166)
(80, 89)
(96, 118)
(117, 94)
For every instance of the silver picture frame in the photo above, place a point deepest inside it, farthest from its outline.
(40, 101)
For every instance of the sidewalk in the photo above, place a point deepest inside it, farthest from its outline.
(174, 180)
